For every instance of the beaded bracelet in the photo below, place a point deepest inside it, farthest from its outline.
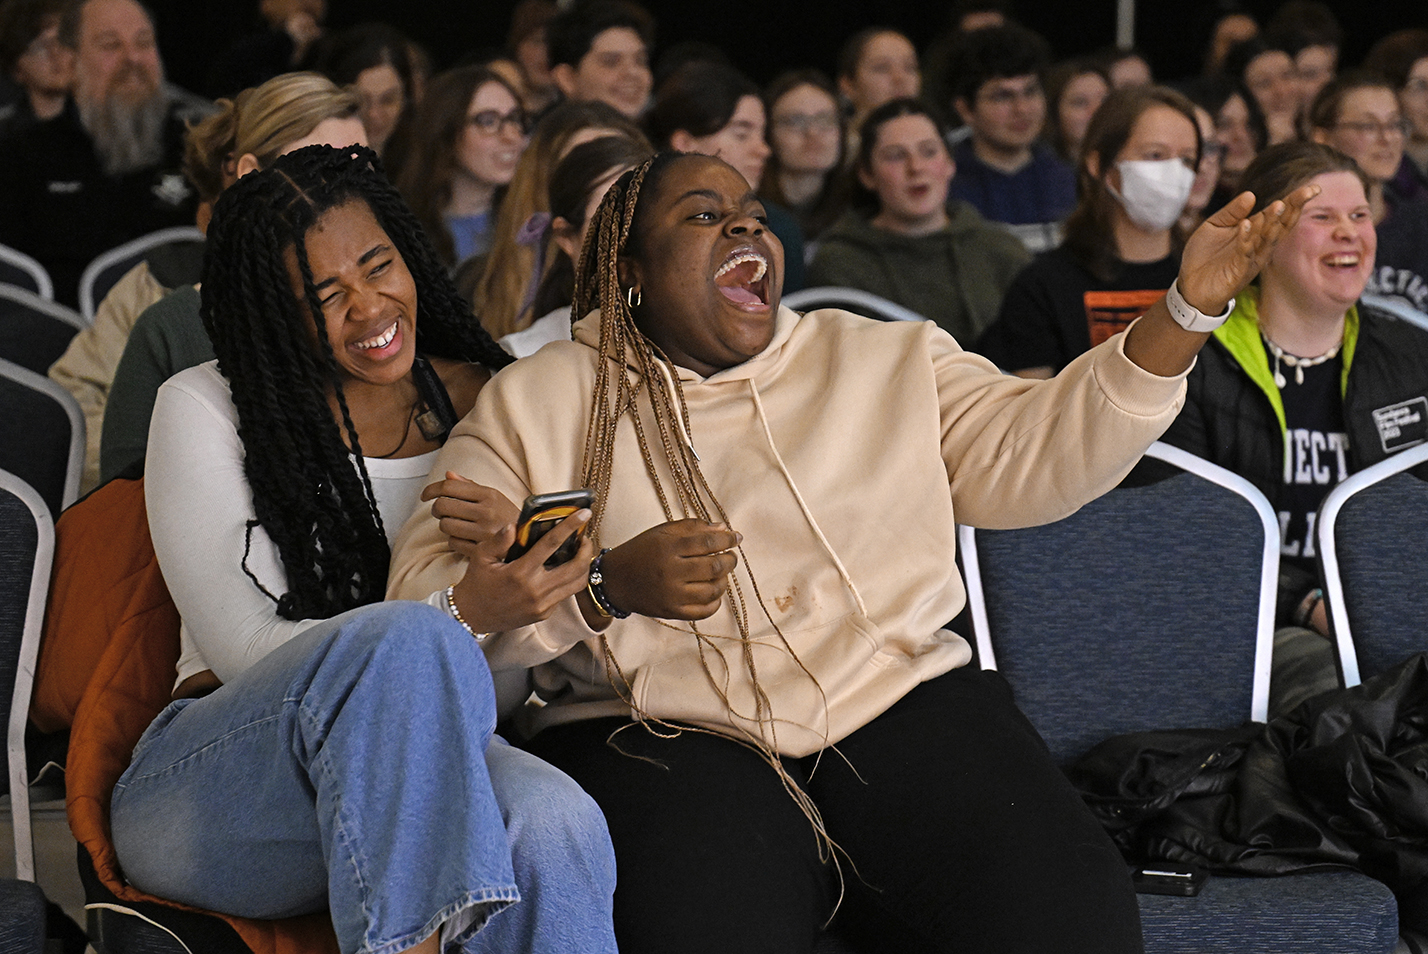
(455, 614)
(596, 588)
(1304, 612)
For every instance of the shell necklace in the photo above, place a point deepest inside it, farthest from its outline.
(1294, 361)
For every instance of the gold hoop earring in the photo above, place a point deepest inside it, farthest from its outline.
(633, 297)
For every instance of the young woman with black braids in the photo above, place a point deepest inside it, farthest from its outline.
(326, 748)
(776, 498)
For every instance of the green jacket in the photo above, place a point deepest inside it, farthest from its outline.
(956, 276)
(167, 338)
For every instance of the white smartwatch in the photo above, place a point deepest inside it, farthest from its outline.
(1191, 318)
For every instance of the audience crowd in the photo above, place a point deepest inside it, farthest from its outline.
(1032, 208)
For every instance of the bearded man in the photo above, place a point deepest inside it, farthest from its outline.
(107, 168)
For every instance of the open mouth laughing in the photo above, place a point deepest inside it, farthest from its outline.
(378, 341)
(744, 278)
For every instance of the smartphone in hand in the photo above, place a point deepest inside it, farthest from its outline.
(540, 514)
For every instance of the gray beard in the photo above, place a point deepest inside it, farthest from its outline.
(126, 138)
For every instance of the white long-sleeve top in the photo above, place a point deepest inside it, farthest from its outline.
(199, 504)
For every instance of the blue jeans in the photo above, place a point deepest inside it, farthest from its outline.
(354, 768)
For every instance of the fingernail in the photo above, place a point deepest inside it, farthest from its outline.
(585, 513)
(738, 537)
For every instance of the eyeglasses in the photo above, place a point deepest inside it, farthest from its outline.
(804, 123)
(1214, 151)
(1370, 128)
(491, 121)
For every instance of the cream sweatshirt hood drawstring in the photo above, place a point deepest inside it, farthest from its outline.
(747, 374)
(846, 453)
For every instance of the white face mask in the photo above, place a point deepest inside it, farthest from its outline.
(1153, 191)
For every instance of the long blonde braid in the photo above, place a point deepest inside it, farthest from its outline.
(629, 363)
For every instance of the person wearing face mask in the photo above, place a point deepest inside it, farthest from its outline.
(1122, 244)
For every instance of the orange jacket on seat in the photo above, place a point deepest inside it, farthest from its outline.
(107, 669)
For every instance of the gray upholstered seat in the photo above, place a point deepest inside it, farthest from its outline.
(1153, 608)
(41, 435)
(34, 331)
(19, 270)
(1332, 911)
(27, 549)
(1373, 544)
(22, 917)
(104, 272)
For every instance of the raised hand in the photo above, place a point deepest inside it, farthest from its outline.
(1231, 246)
(1221, 257)
(677, 570)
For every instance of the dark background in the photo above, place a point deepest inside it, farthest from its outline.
(766, 38)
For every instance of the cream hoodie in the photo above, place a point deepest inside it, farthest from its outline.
(846, 453)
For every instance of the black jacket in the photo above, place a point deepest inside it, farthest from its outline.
(1229, 418)
(1341, 781)
(61, 207)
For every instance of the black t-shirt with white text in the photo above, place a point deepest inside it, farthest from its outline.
(1315, 453)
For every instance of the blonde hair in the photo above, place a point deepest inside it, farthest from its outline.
(632, 368)
(510, 265)
(260, 121)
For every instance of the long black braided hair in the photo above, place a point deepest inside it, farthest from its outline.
(312, 499)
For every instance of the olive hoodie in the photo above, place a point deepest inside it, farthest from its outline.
(955, 276)
(845, 453)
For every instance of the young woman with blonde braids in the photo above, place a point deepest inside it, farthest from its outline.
(775, 503)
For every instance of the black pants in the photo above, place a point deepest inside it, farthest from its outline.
(964, 834)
